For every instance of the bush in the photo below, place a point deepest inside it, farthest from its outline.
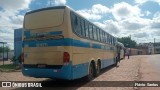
(20, 59)
(13, 59)
(16, 61)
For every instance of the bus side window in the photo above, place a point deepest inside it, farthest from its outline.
(106, 37)
(113, 41)
(79, 26)
(90, 31)
(73, 21)
(83, 28)
(104, 40)
(109, 39)
(76, 24)
(95, 33)
(98, 36)
(101, 36)
(86, 29)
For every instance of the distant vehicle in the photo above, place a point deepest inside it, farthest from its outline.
(121, 47)
(59, 43)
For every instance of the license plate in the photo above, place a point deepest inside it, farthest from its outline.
(41, 65)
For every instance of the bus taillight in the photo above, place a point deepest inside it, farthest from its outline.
(22, 57)
(66, 58)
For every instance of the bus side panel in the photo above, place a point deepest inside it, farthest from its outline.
(80, 70)
(108, 59)
(83, 54)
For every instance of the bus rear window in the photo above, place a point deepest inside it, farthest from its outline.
(44, 18)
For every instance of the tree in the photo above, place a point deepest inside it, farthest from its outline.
(127, 42)
(6, 48)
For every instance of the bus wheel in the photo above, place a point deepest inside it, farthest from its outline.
(116, 61)
(91, 72)
(98, 68)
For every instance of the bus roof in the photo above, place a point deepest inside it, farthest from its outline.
(48, 8)
(119, 44)
(62, 7)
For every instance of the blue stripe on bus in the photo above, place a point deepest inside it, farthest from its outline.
(73, 71)
(64, 73)
(27, 34)
(63, 42)
(55, 32)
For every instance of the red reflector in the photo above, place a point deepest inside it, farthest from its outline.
(66, 57)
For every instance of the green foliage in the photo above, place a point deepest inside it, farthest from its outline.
(7, 67)
(127, 42)
(6, 48)
(20, 59)
(13, 59)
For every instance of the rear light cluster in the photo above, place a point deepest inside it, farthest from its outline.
(66, 58)
(22, 57)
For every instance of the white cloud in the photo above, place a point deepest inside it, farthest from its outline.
(89, 15)
(124, 10)
(128, 21)
(15, 4)
(112, 27)
(10, 18)
(95, 13)
(101, 25)
(109, 26)
(156, 15)
(99, 9)
(60, 2)
(135, 23)
(141, 35)
(56, 2)
(155, 24)
(139, 28)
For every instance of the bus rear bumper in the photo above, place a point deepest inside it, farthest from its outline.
(63, 73)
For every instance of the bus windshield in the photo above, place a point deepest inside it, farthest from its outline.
(43, 19)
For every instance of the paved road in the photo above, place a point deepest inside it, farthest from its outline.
(149, 70)
(154, 60)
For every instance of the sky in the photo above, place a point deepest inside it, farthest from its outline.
(139, 19)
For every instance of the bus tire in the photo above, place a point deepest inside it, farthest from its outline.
(116, 61)
(91, 72)
(98, 69)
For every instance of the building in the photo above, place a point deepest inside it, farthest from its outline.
(7, 55)
(157, 48)
(134, 51)
(17, 42)
(152, 48)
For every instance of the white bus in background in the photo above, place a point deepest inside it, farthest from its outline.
(122, 49)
